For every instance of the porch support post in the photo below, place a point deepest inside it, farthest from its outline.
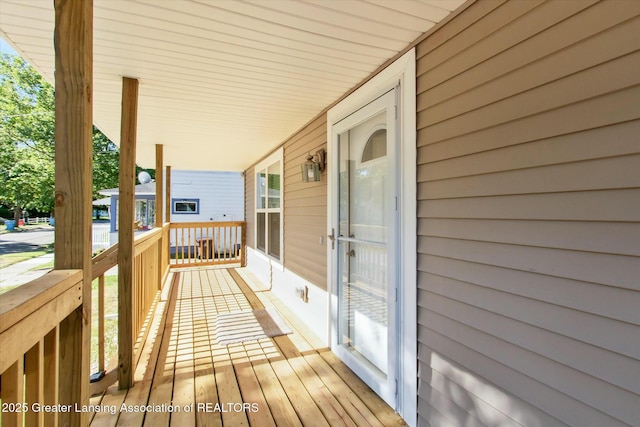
(160, 208)
(73, 41)
(159, 186)
(168, 192)
(125, 231)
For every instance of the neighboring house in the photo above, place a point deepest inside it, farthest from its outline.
(145, 195)
(195, 196)
(501, 213)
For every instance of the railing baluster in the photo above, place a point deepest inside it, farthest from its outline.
(12, 394)
(101, 353)
(51, 374)
(34, 382)
(182, 246)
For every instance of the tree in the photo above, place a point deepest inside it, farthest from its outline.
(27, 144)
(26, 137)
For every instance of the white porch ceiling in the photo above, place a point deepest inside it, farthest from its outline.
(223, 82)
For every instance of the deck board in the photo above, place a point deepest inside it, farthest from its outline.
(290, 379)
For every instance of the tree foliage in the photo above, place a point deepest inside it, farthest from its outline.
(27, 144)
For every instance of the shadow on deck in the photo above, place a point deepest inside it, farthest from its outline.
(186, 378)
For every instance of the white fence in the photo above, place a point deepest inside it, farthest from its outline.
(100, 238)
(38, 220)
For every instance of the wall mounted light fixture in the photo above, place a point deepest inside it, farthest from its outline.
(313, 166)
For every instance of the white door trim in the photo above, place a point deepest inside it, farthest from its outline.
(403, 70)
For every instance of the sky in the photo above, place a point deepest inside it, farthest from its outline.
(5, 47)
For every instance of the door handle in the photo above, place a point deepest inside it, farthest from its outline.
(332, 237)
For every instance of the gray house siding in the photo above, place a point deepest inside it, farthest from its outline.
(529, 215)
(220, 195)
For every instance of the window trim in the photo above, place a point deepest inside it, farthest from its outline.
(263, 166)
(180, 200)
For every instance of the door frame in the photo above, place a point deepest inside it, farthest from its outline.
(402, 71)
(383, 384)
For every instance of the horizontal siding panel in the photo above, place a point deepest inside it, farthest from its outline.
(310, 236)
(604, 237)
(612, 270)
(312, 130)
(305, 200)
(601, 174)
(297, 154)
(314, 273)
(605, 110)
(581, 296)
(601, 408)
(297, 151)
(445, 393)
(456, 414)
(473, 391)
(558, 52)
(595, 330)
(478, 365)
(620, 371)
(574, 88)
(458, 25)
(540, 18)
(476, 33)
(307, 260)
(307, 189)
(586, 145)
(609, 205)
(317, 211)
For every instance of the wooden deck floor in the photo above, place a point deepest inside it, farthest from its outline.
(282, 381)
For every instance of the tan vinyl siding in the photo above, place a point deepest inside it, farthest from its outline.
(529, 215)
(250, 206)
(305, 207)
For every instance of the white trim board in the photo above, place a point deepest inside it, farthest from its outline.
(402, 70)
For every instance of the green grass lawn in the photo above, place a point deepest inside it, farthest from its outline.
(8, 259)
(110, 323)
(26, 227)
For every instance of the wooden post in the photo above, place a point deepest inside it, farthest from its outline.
(167, 194)
(73, 40)
(125, 231)
(159, 186)
(159, 208)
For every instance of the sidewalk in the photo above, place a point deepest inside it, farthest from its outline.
(26, 271)
(23, 272)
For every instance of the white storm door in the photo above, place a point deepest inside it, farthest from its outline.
(364, 259)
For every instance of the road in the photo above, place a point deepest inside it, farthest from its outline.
(26, 240)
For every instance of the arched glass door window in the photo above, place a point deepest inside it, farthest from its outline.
(376, 146)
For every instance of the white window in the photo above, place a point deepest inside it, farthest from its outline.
(269, 206)
(186, 206)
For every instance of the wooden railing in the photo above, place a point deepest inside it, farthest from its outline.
(208, 243)
(150, 265)
(102, 263)
(30, 316)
